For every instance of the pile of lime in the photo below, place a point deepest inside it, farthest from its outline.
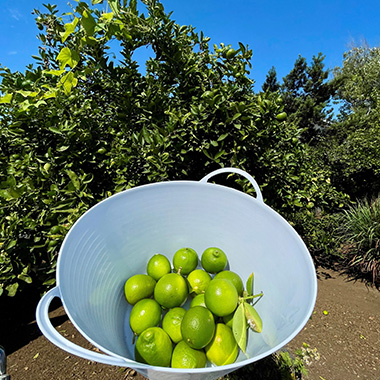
(191, 312)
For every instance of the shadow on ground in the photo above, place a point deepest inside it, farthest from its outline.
(17, 320)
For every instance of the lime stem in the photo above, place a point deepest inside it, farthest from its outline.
(251, 297)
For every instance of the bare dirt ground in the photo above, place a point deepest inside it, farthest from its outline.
(344, 328)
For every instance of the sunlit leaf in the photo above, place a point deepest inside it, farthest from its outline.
(54, 129)
(239, 327)
(107, 16)
(74, 179)
(49, 282)
(7, 98)
(67, 57)
(254, 320)
(25, 278)
(50, 94)
(28, 94)
(249, 285)
(68, 82)
(69, 29)
(55, 72)
(12, 289)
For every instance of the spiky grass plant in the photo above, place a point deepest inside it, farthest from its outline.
(360, 236)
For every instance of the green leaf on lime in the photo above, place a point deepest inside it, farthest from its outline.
(239, 327)
(249, 284)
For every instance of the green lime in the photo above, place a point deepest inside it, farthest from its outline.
(198, 281)
(234, 278)
(171, 323)
(222, 349)
(198, 300)
(186, 357)
(171, 290)
(198, 327)
(158, 266)
(145, 313)
(221, 297)
(213, 260)
(230, 53)
(185, 260)
(138, 287)
(281, 116)
(154, 347)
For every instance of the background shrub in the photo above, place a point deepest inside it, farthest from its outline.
(359, 234)
(318, 230)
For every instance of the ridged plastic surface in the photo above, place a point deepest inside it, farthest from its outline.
(115, 239)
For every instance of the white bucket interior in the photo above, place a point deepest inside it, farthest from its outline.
(115, 239)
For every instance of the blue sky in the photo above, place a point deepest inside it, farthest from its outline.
(276, 30)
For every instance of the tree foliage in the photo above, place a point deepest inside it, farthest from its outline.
(271, 83)
(359, 81)
(307, 93)
(352, 146)
(80, 126)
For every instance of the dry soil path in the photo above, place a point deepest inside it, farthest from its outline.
(344, 328)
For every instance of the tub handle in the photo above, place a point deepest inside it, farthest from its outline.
(259, 196)
(3, 365)
(43, 321)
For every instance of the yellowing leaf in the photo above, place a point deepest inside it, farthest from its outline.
(49, 94)
(67, 57)
(28, 94)
(7, 98)
(107, 16)
(69, 28)
(24, 106)
(54, 72)
(40, 102)
(68, 82)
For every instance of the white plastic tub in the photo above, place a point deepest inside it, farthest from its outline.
(115, 239)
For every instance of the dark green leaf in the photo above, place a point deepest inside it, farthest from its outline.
(88, 23)
(74, 179)
(49, 282)
(54, 130)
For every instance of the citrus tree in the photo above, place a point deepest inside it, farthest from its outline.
(80, 125)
